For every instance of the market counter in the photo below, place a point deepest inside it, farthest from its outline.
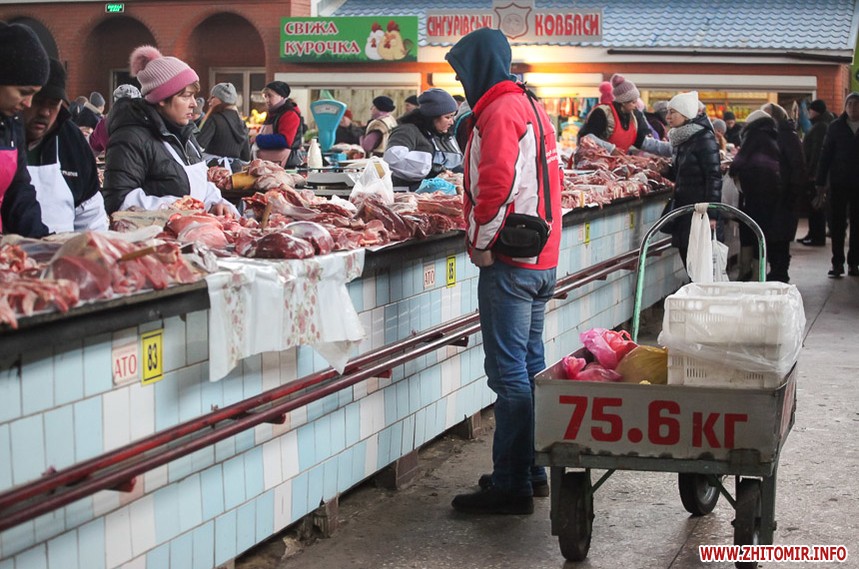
(67, 394)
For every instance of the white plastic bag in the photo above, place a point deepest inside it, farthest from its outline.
(375, 179)
(730, 191)
(720, 261)
(699, 256)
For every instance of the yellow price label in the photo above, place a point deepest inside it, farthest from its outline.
(632, 220)
(152, 351)
(450, 273)
(587, 233)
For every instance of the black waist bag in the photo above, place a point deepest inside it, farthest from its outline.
(522, 236)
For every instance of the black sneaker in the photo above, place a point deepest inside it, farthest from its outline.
(853, 270)
(836, 272)
(540, 487)
(493, 501)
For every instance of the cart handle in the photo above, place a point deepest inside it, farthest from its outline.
(682, 210)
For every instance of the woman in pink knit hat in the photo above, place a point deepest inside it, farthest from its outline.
(153, 158)
(617, 124)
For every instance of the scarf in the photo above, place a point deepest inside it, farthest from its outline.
(681, 134)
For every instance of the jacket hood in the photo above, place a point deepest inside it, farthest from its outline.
(703, 120)
(765, 126)
(481, 60)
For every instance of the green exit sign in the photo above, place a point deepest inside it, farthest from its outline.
(114, 8)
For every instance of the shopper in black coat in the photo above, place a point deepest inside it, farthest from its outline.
(223, 133)
(812, 144)
(839, 164)
(695, 166)
(765, 193)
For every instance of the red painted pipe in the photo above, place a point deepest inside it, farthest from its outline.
(107, 480)
(80, 471)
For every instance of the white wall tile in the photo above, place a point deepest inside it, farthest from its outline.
(104, 502)
(156, 478)
(378, 327)
(369, 292)
(282, 505)
(288, 365)
(366, 319)
(451, 418)
(372, 410)
(371, 455)
(271, 462)
(142, 523)
(142, 403)
(117, 538)
(117, 417)
(270, 370)
(137, 563)
(289, 454)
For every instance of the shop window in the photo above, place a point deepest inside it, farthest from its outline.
(249, 84)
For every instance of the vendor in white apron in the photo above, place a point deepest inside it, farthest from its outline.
(23, 71)
(60, 162)
(153, 158)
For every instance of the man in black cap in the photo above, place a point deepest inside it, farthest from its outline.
(23, 71)
(732, 133)
(60, 161)
(812, 144)
(411, 103)
(375, 139)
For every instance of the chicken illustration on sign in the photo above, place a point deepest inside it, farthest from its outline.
(342, 39)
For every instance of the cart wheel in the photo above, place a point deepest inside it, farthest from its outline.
(698, 496)
(747, 523)
(576, 515)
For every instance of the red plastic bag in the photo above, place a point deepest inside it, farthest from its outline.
(596, 372)
(607, 346)
(572, 366)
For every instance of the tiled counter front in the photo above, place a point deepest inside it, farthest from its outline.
(60, 406)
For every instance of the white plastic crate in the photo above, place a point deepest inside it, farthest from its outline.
(686, 370)
(751, 326)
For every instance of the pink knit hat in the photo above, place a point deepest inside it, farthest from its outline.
(624, 91)
(160, 77)
(605, 93)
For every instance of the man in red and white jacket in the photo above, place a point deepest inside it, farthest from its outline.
(505, 172)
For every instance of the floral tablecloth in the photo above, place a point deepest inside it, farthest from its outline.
(269, 305)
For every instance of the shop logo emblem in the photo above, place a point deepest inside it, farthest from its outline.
(513, 19)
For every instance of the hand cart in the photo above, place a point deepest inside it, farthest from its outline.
(702, 433)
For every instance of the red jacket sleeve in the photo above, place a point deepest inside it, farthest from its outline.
(288, 126)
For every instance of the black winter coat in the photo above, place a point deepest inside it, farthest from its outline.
(839, 159)
(812, 143)
(757, 166)
(695, 170)
(794, 175)
(20, 211)
(137, 158)
(225, 134)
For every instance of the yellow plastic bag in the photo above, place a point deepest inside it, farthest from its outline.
(644, 363)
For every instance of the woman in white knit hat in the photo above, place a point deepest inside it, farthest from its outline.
(619, 124)
(695, 167)
(152, 157)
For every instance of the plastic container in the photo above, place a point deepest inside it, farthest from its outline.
(314, 155)
(691, 371)
(755, 327)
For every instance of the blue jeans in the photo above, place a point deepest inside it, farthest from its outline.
(512, 305)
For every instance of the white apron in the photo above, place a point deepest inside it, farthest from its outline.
(197, 175)
(54, 196)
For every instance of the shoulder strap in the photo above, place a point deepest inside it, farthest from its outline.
(541, 161)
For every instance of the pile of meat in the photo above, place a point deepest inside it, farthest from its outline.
(259, 175)
(610, 177)
(88, 266)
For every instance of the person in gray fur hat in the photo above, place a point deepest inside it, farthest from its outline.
(423, 146)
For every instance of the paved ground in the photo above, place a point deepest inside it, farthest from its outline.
(640, 522)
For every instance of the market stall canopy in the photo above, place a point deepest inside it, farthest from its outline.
(628, 24)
